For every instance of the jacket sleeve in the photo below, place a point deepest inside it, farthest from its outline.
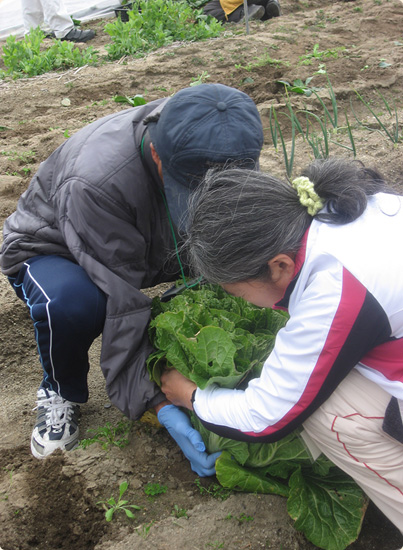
(102, 236)
(334, 324)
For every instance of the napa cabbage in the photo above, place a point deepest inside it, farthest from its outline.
(212, 337)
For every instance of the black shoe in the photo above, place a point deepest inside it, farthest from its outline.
(273, 9)
(254, 12)
(76, 35)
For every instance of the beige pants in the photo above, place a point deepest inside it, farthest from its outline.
(347, 428)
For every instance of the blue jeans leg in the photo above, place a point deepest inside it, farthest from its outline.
(68, 311)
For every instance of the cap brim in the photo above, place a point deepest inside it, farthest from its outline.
(177, 194)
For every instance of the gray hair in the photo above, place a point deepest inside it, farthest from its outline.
(240, 219)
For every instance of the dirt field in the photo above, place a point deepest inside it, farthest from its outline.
(52, 504)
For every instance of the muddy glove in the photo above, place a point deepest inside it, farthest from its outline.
(189, 440)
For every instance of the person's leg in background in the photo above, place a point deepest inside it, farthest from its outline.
(272, 8)
(32, 14)
(347, 428)
(56, 16)
(68, 311)
(215, 9)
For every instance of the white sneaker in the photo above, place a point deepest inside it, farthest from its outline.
(56, 424)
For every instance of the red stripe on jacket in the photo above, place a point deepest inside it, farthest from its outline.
(351, 301)
(387, 358)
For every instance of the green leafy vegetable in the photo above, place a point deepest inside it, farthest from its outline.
(232, 475)
(329, 510)
(27, 57)
(212, 337)
(134, 101)
(299, 87)
(155, 24)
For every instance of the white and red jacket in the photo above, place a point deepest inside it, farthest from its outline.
(346, 311)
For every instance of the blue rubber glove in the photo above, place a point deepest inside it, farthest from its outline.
(189, 440)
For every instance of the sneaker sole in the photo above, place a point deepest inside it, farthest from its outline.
(37, 449)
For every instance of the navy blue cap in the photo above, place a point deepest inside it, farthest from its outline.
(203, 127)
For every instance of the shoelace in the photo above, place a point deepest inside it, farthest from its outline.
(57, 410)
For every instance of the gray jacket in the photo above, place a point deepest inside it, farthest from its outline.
(98, 202)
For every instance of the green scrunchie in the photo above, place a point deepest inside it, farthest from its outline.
(308, 197)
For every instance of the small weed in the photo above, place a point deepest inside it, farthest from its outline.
(102, 102)
(109, 436)
(179, 512)
(24, 157)
(134, 100)
(317, 54)
(243, 518)
(144, 530)
(198, 61)
(286, 38)
(216, 545)
(200, 79)
(214, 490)
(155, 489)
(10, 472)
(261, 62)
(299, 87)
(111, 506)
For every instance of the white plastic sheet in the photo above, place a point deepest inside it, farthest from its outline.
(11, 15)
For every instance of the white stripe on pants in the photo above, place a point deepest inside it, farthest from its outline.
(53, 12)
(347, 428)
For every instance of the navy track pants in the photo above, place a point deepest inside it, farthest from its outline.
(68, 311)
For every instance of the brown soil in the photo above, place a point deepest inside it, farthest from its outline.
(53, 503)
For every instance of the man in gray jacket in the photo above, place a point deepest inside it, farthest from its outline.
(99, 221)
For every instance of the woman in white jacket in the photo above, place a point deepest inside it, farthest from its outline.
(323, 248)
